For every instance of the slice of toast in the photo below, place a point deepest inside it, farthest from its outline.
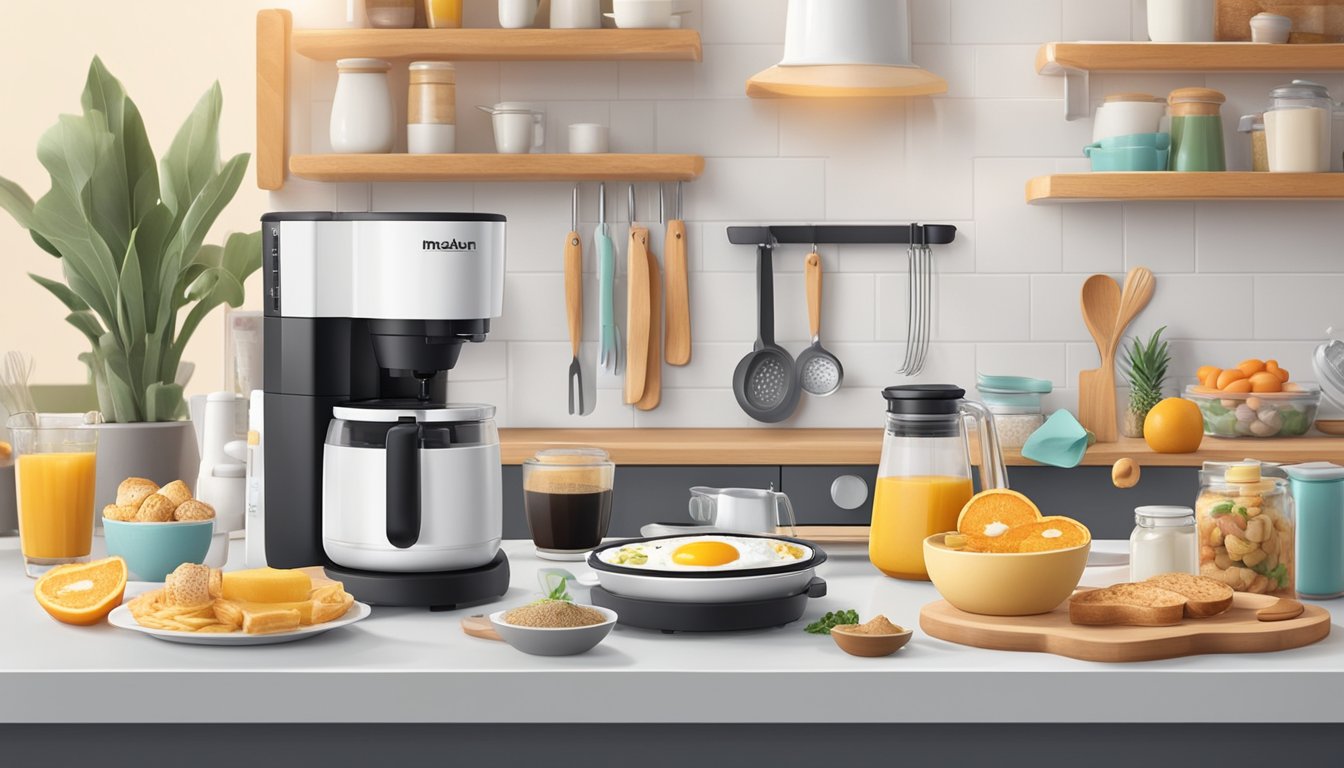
(1141, 605)
(1204, 596)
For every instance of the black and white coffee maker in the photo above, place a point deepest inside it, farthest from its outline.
(370, 471)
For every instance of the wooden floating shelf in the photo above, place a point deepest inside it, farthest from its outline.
(1167, 185)
(501, 44)
(495, 167)
(1077, 61)
(1059, 58)
(847, 447)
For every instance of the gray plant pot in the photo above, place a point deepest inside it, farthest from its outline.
(162, 451)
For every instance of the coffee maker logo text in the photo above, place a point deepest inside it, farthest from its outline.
(448, 245)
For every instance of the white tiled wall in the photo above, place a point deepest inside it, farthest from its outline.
(1234, 279)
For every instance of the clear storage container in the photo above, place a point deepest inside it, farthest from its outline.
(1246, 527)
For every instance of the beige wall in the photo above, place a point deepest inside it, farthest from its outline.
(166, 52)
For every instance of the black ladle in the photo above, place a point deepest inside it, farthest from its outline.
(765, 381)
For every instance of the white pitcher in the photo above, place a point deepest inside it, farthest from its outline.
(742, 510)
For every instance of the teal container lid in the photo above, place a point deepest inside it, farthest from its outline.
(1012, 385)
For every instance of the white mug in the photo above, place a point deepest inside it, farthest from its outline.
(518, 132)
(517, 14)
(576, 14)
(587, 138)
(1181, 21)
(742, 510)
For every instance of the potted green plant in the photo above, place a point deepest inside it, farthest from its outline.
(129, 233)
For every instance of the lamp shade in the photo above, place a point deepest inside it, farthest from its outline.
(846, 49)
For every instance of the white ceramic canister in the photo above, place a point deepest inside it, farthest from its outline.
(1180, 21)
(587, 138)
(1297, 139)
(363, 119)
(1165, 540)
(431, 108)
(1270, 28)
(517, 14)
(1125, 114)
(576, 14)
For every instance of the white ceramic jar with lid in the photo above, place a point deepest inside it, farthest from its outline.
(1270, 28)
(1125, 114)
(1180, 21)
(1165, 540)
(431, 108)
(1293, 128)
(363, 119)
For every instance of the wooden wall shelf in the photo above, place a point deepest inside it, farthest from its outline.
(1076, 61)
(501, 44)
(843, 447)
(276, 37)
(493, 167)
(1232, 185)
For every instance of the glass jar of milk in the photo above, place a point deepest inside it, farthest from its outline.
(1165, 540)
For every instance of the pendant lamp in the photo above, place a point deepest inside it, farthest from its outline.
(846, 49)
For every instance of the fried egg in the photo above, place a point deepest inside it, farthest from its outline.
(698, 553)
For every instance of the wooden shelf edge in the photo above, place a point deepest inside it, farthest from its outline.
(1166, 185)
(1060, 58)
(494, 167)
(502, 44)
(273, 32)
(863, 447)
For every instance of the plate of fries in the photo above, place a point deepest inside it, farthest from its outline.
(215, 623)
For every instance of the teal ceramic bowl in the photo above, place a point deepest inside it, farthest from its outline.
(1127, 159)
(1148, 140)
(153, 550)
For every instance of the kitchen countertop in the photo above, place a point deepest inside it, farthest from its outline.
(404, 665)
(785, 446)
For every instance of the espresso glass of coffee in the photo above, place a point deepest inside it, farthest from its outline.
(567, 496)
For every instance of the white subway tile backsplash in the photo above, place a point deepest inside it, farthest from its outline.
(1297, 306)
(1009, 72)
(1235, 280)
(1160, 236)
(1093, 238)
(1010, 235)
(1298, 236)
(993, 21)
(1096, 20)
(719, 128)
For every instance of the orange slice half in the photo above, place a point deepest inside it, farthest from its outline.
(82, 593)
(989, 515)
(1050, 533)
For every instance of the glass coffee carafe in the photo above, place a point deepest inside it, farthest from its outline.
(925, 476)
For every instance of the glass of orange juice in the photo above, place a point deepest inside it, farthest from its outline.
(443, 14)
(54, 477)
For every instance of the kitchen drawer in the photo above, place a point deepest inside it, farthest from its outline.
(817, 494)
(644, 494)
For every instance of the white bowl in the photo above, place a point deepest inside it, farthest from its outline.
(554, 641)
(642, 14)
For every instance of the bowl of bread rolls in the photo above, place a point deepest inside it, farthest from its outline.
(155, 529)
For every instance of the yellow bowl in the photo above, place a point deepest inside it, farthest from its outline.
(1004, 584)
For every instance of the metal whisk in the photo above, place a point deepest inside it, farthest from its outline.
(919, 326)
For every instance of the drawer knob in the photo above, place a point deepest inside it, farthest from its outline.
(849, 491)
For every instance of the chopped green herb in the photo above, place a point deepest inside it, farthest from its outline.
(823, 625)
(1221, 508)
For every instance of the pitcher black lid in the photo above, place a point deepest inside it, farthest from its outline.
(923, 399)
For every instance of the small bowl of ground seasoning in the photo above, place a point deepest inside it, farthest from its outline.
(553, 627)
(876, 637)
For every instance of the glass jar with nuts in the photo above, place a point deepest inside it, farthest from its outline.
(1246, 528)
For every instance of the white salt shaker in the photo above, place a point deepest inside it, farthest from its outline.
(363, 119)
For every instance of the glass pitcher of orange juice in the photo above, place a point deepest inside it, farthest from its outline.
(54, 477)
(925, 476)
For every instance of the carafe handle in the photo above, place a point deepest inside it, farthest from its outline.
(992, 472)
(782, 503)
(403, 484)
(702, 504)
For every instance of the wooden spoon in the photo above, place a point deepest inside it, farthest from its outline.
(1139, 287)
(478, 625)
(1096, 387)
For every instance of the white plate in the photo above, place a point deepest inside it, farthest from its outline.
(121, 617)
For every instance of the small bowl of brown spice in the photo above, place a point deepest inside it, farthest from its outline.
(876, 637)
(554, 627)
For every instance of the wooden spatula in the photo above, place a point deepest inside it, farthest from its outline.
(1096, 387)
(653, 373)
(1138, 291)
(478, 625)
(638, 312)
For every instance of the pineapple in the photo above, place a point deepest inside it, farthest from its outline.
(1145, 365)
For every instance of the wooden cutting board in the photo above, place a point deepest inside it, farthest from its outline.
(1236, 631)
